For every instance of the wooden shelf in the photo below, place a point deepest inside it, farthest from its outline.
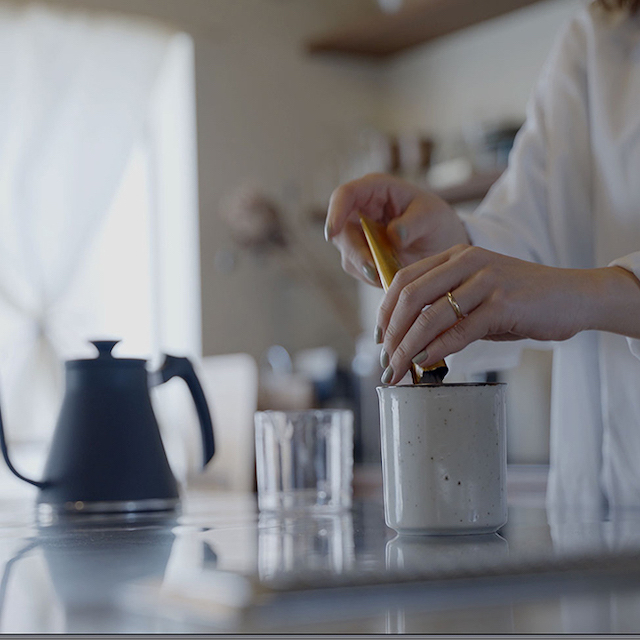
(475, 188)
(386, 34)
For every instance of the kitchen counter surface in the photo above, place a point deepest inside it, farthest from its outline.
(223, 567)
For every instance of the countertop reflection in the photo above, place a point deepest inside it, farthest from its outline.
(222, 566)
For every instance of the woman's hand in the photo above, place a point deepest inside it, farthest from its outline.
(419, 223)
(501, 298)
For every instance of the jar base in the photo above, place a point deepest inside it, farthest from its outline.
(446, 531)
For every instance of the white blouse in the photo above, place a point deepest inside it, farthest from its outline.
(571, 198)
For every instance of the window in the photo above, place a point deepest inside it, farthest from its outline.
(98, 203)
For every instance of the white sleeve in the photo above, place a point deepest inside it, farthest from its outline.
(631, 263)
(524, 214)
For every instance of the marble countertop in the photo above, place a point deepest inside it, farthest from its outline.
(221, 566)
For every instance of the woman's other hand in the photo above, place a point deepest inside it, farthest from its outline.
(500, 298)
(419, 223)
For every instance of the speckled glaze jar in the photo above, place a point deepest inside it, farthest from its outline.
(444, 459)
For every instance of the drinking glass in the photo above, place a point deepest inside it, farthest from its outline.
(304, 459)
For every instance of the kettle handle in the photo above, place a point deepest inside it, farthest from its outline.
(5, 455)
(174, 366)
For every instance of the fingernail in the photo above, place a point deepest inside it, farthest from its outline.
(377, 335)
(384, 359)
(370, 272)
(420, 357)
(387, 375)
(401, 232)
(327, 231)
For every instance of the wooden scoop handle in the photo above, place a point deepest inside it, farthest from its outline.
(387, 266)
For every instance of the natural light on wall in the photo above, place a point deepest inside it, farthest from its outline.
(98, 204)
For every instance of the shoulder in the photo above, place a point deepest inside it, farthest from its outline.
(575, 38)
(592, 19)
(593, 28)
(592, 34)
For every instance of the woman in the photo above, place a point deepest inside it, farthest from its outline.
(553, 253)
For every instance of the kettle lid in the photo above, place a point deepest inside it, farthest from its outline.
(105, 357)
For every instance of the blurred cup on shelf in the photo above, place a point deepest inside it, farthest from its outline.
(415, 151)
(304, 460)
(444, 458)
(390, 6)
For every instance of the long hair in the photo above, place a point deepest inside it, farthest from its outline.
(631, 5)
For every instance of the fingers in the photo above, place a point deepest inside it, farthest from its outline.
(474, 327)
(356, 257)
(414, 305)
(412, 224)
(438, 330)
(404, 285)
(376, 195)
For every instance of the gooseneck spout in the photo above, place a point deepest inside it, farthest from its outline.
(5, 455)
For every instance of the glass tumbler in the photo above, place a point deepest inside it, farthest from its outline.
(304, 459)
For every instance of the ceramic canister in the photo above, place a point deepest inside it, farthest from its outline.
(443, 458)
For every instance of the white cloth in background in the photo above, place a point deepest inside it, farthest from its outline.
(74, 95)
(571, 198)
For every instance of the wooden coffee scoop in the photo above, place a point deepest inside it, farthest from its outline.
(387, 266)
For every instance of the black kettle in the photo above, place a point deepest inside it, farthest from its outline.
(107, 454)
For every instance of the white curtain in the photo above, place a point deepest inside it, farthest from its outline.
(74, 99)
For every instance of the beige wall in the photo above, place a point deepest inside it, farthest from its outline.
(483, 72)
(268, 113)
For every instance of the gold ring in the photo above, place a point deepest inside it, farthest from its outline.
(454, 305)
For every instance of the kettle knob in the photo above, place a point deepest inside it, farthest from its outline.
(104, 347)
